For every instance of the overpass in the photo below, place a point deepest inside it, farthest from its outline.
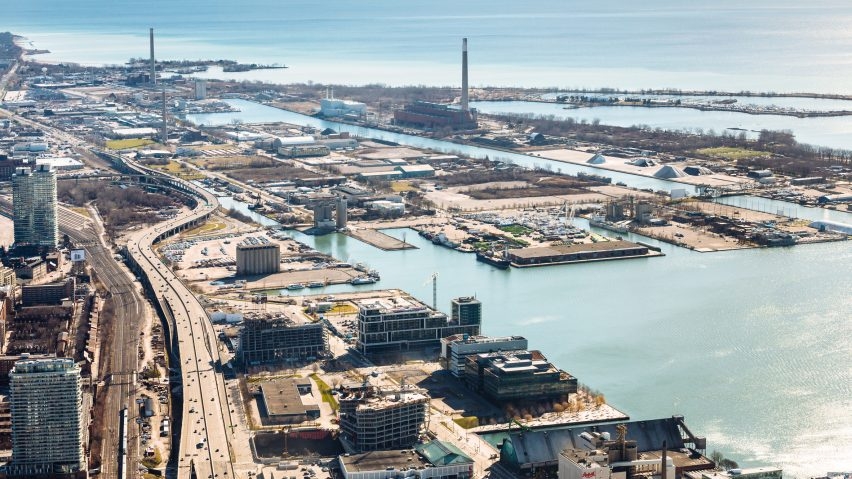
(203, 449)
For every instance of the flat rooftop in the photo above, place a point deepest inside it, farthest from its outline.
(387, 305)
(399, 459)
(544, 251)
(282, 398)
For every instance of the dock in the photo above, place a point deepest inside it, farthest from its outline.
(379, 240)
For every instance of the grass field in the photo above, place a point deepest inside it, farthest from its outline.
(176, 169)
(343, 309)
(401, 186)
(206, 228)
(731, 153)
(128, 143)
(516, 230)
(325, 391)
(231, 162)
(467, 422)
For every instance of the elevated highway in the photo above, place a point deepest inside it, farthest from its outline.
(203, 448)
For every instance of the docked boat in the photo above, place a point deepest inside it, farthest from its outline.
(362, 280)
(316, 284)
(497, 262)
(295, 286)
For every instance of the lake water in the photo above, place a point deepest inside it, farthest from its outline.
(751, 346)
(760, 45)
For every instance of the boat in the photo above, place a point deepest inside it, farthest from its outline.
(599, 221)
(497, 262)
(362, 280)
(316, 284)
(295, 286)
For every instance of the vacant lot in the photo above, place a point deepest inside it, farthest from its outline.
(732, 153)
(271, 173)
(128, 143)
(547, 186)
(176, 169)
(231, 162)
(118, 207)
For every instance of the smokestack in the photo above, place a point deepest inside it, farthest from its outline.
(153, 62)
(165, 119)
(464, 106)
(663, 469)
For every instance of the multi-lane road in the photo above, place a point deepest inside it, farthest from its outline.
(206, 427)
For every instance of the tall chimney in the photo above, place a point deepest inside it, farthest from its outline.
(663, 467)
(165, 119)
(153, 62)
(464, 106)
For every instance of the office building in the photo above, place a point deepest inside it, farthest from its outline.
(47, 433)
(466, 310)
(34, 204)
(279, 341)
(375, 420)
(455, 349)
(516, 376)
(258, 258)
(393, 325)
(48, 294)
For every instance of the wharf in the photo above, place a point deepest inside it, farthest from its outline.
(379, 240)
(579, 253)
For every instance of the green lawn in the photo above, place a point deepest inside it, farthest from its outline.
(516, 230)
(325, 391)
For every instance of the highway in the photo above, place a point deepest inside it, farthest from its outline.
(206, 426)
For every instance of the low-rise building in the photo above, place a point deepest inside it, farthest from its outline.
(7, 277)
(432, 460)
(283, 402)
(517, 375)
(455, 349)
(48, 294)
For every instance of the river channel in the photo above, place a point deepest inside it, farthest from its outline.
(751, 346)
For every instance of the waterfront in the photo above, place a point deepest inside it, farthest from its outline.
(833, 132)
(761, 371)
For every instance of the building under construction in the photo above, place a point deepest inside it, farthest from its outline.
(279, 341)
(373, 419)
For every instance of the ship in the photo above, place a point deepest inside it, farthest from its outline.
(497, 262)
(362, 280)
(599, 221)
(316, 284)
(295, 286)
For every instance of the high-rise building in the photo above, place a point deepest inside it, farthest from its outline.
(47, 431)
(376, 420)
(200, 89)
(466, 310)
(34, 204)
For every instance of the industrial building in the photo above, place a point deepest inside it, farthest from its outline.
(34, 204)
(432, 460)
(47, 432)
(575, 253)
(279, 341)
(258, 258)
(375, 420)
(637, 440)
(392, 325)
(516, 376)
(324, 215)
(423, 114)
(456, 348)
(282, 402)
(334, 107)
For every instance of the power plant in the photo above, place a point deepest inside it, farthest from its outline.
(427, 115)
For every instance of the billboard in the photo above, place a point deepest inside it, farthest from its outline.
(78, 255)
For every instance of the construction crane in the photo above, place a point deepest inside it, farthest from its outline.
(434, 279)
